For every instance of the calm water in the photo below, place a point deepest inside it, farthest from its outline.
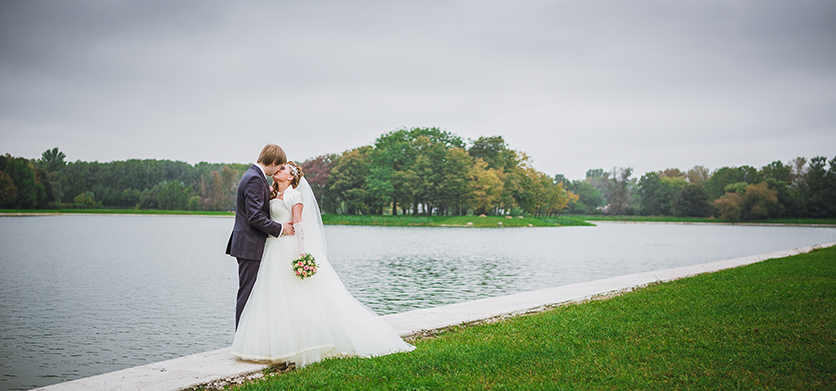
(85, 295)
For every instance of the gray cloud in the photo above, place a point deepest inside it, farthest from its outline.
(575, 84)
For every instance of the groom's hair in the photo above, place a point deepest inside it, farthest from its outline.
(272, 154)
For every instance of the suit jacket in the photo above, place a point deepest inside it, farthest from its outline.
(252, 217)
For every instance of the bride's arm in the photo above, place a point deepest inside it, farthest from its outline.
(298, 228)
(297, 213)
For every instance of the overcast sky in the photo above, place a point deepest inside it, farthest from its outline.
(574, 84)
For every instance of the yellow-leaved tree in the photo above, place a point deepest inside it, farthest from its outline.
(484, 189)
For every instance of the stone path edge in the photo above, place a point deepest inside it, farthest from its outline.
(807, 225)
(219, 366)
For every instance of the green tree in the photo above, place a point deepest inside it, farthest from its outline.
(8, 191)
(43, 189)
(691, 201)
(494, 152)
(52, 160)
(670, 186)
(600, 180)
(589, 198)
(649, 188)
(130, 198)
(790, 203)
(798, 170)
(751, 174)
(409, 169)
(453, 188)
(87, 200)
(404, 192)
(423, 180)
(194, 203)
(349, 180)
(529, 187)
(777, 171)
(173, 195)
(739, 187)
(716, 185)
(830, 183)
(817, 189)
(380, 188)
(23, 177)
(148, 199)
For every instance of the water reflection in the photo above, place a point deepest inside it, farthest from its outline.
(395, 269)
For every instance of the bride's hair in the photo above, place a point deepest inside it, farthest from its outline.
(296, 171)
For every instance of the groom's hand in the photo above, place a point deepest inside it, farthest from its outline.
(287, 228)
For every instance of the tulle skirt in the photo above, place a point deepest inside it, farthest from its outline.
(287, 319)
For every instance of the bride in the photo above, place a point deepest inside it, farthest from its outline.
(289, 319)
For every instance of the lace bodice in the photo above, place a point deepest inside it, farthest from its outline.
(279, 211)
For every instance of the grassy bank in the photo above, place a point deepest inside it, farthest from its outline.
(439, 221)
(115, 212)
(332, 219)
(671, 219)
(770, 325)
(447, 221)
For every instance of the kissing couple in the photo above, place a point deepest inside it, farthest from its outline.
(282, 315)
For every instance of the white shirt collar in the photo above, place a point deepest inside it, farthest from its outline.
(264, 174)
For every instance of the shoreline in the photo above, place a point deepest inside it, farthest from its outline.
(422, 224)
(111, 214)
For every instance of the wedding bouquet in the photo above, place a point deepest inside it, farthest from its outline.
(305, 266)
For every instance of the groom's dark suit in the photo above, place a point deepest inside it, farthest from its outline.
(252, 225)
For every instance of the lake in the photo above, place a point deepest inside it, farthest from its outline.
(85, 295)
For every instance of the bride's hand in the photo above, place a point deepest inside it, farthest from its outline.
(287, 228)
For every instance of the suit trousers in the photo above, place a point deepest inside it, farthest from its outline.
(247, 272)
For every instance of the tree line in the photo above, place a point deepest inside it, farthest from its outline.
(433, 172)
(800, 188)
(51, 182)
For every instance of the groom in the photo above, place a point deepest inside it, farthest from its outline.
(252, 221)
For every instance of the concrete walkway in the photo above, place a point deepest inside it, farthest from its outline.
(219, 365)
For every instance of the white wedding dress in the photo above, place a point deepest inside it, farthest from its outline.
(287, 319)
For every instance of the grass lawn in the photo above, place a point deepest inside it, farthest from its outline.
(770, 325)
(440, 221)
(117, 211)
(447, 221)
(671, 219)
